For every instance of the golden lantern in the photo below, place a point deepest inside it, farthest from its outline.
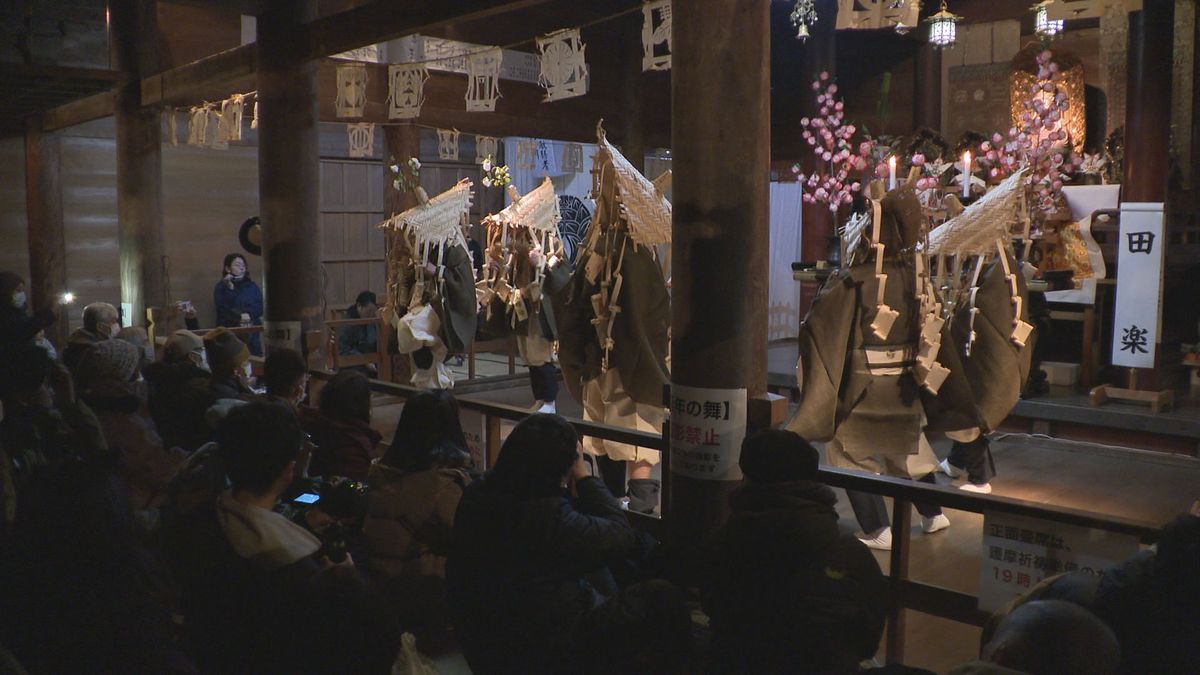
(1024, 77)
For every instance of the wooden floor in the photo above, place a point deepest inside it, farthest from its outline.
(1146, 486)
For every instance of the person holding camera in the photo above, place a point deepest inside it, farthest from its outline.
(534, 542)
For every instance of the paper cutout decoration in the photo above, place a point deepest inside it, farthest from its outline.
(485, 146)
(448, 144)
(361, 139)
(351, 90)
(656, 35)
(406, 90)
(870, 14)
(254, 122)
(572, 158)
(230, 127)
(197, 125)
(172, 126)
(564, 73)
(483, 79)
(526, 154)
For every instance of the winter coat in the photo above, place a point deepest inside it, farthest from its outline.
(18, 327)
(244, 298)
(343, 447)
(77, 345)
(411, 518)
(357, 339)
(147, 466)
(229, 387)
(178, 395)
(781, 580)
(517, 572)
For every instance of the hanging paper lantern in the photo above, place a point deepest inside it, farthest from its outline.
(1042, 24)
(943, 28)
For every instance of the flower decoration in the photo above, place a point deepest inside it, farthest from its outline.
(835, 155)
(495, 175)
(406, 176)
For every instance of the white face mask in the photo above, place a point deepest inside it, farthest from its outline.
(200, 359)
(18, 299)
(248, 370)
(115, 329)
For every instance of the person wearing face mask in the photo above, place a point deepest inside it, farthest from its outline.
(17, 326)
(238, 300)
(100, 322)
(227, 357)
(178, 392)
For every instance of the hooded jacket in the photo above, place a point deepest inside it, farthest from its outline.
(781, 582)
(16, 325)
(410, 519)
(344, 447)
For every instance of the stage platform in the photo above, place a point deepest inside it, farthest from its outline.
(1063, 413)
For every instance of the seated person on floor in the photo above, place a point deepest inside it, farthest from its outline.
(360, 339)
(785, 590)
(178, 394)
(535, 541)
(1050, 637)
(285, 375)
(341, 428)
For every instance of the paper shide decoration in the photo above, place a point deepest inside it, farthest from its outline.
(351, 90)
(483, 79)
(656, 35)
(871, 14)
(361, 139)
(572, 158)
(448, 144)
(406, 90)
(564, 73)
(526, 155)
(485, 147)
(230, 126)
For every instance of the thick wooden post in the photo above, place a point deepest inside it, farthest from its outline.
(633, 137)
(401, 143)
(134, 31)
(43, 208)
(927, 85)
(289, 179)
(721, 144)
(1148, 104)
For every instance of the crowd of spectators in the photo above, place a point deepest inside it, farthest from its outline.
(171, 516)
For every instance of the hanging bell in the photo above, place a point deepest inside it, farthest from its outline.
(802, 32)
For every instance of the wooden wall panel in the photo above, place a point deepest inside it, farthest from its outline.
(207, 195)
(14, 254)
(89, 185)
(352, 249)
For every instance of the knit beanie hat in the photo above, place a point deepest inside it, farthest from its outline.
(778, 456)
(180, 344)
(224, 350)
(108, 361)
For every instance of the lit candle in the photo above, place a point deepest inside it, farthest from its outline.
(892, 172)
(966, 176)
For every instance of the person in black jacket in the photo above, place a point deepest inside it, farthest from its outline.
(528, 562)
(16, 324)
(786, 591)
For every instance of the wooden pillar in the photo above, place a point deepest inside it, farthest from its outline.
(818, 224)
(1148, 103)
(633, 141)
(400, 143)
(47, 246)
(721, 143)
(134, 39)
(289, 179)
(927, 85)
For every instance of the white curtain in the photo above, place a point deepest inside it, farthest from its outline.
(783, 318)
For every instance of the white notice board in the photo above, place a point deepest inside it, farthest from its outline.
(707, 429)
(1020, 552)
(1138, 315)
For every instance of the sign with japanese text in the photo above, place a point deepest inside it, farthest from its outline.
(475, 432)
(1141, 248)
(707, 428)
(1020, 552)
(283, 335)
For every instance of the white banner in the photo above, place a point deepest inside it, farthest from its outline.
(1138, 313)
(1020, 552)
(475, 432)
(1083, 200)
(707, 428)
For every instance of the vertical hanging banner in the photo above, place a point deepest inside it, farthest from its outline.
(1019, 552)
(1141, 250)
(707, 429)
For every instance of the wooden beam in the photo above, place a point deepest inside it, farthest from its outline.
(384, 20)
(87, 109)
(188, 83)
(52, 72)
(47, 244)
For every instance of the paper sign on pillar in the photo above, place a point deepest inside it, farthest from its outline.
(707, 429)
(1138, 315)
(1019, 553)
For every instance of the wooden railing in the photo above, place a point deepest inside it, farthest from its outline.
(906, 594)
